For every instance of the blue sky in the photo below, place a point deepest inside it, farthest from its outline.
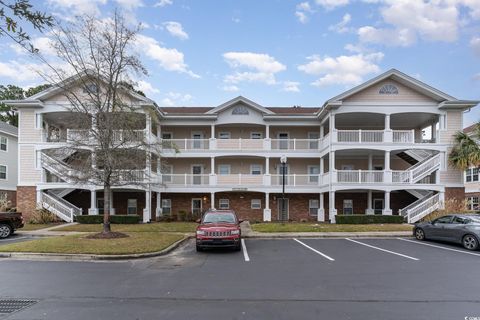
(283, 52)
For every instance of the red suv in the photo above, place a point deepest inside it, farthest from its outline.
(219, 228)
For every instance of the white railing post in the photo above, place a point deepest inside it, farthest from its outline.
(240, 144)
(294, 144)
(360, 136)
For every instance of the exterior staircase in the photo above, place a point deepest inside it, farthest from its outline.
(419, 172)
(59, 206)
(421, 208)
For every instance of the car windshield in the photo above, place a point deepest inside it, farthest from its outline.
(219, 218)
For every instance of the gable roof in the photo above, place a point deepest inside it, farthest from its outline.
(470, 129)
(8, 128)
(401, 78)
(273, 110)
(236, 100)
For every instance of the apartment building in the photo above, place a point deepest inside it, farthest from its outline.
(378, 148)
(471, 179)
(8, 162)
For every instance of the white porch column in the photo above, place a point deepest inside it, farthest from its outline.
(267, 177)
(370, 161)
(388, 172)
(322, 131)
(331, 204)
(267, 212)
(212, 145)
(267, 142)
(369, 203)
(321, 209)
(147, 212)
(213, 176)
(388, 131)
(93, 210)
(387, 122)
(387, 211)
(212, 131)
(158, 207)
(433, 128)
(267, 131)
(212, 200)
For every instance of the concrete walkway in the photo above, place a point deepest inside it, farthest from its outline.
(50, 231)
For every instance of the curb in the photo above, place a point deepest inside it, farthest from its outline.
(91, 257)
(332, 235)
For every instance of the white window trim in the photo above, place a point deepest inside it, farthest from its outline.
(6, 143)
(343, 206)
(256, 132)
(259, 204)
(167, 174)
(201, 204)
(310, 175)
(136, 205)
(170, 133)
(311, 207)
(228, 133)
(225, 165)
(259, 165)
(6, 172)
(226, 201)
(378, 199)
(169, 201)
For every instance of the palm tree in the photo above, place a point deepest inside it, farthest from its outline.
(466, 151)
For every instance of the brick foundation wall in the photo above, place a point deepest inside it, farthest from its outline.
(26, 200)
(455, 194)
(398, 200)
(11, 196)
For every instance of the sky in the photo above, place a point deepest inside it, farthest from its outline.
(280, 52)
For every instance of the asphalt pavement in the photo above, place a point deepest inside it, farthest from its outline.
(269, 279)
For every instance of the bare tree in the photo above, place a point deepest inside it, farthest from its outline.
(107, 144)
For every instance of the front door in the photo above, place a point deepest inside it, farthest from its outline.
(196, 207)
(197, 140)
(282, 209)
(283, 140)
(197, 174)
(377, 206)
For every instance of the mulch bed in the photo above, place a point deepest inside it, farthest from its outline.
(107, 235)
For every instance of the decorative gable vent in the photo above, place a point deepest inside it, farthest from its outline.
(240, 110)
(388, 89)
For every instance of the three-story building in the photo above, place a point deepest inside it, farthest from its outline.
(379, 148)
(8, 162)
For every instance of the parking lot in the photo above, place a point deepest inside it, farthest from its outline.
(269, 279)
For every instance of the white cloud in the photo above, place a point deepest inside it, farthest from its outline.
(345, 70)
(166, 102)
(174, 98)
(342, 26)
(262, 67)
(130, 4)
(79, 6)
(302, 11)
(475, 44)
(291, 86)
(332, 4)
(163, 3)
(390, 37)
(175, 29)
(169, 59)
(231, 88)
(146, 87)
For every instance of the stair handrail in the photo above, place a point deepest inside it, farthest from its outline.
(424, 166)
(75, 210)
(404, 212)
(428, 205)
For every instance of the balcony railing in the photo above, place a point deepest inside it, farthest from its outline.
(296, 180)
(367, 136)
(360, 176)
(240, 179)
(295, 144)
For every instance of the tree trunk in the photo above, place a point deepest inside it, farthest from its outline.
(106, 208)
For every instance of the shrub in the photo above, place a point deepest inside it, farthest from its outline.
(115, 219)
(42, 216)
(5, 205)
(182, 215)
(450, 206)
(367, 219)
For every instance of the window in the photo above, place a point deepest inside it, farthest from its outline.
(313, 172)
(3, 172)
(388, 89)
(347, 206)
(471, 175)
(224, 204)
(256, 135)
(167, 135)
(472, 203)
(224, 135)
(256, 169)
(166, 206)
(132, 206)
(313, 207)
(443, 220)
(256, 204)
(223, 169)
(167, 170)
(90, 88)
(3, 143)
(240, 110)
(460, 220)
(3, 196)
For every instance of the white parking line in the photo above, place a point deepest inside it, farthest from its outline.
(244, 250)
(440, 247)
(384, 250)
(314, 250)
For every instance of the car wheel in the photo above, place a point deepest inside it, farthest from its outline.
(470, 242)
(419, 234)
(5, 231)
(199, 249)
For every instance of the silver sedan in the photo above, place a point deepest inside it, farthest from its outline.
(459, 228)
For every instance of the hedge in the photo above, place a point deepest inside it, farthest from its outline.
(115, 219)
(367, 219)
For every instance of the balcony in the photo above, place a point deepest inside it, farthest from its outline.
(83, 135)
(378, 136)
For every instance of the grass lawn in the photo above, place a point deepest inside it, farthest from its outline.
(36, 226)
(138, 242)
(146, 227)
(314, 227)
